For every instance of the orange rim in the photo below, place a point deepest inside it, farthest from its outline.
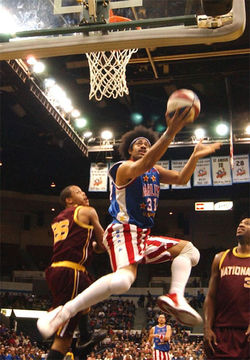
(116, 19)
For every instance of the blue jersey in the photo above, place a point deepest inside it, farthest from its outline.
(136, 202)
(158, 345)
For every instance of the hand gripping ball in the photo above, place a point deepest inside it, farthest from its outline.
(180, 99)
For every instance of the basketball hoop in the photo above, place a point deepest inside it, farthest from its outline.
(108, 70)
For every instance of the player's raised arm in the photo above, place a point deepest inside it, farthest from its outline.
(144, 156)
(182, 177)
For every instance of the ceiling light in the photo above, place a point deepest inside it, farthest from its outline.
(66, 105)
(38, 67)
(56, 95)
(160, 128)
(48, 83)
(199, 133)
(91, 140)
(87, 134)
(75, 113)
(53, 185)
(222, 129)
(136, 118)
(80, 123)
(31, 60)
(106, 135)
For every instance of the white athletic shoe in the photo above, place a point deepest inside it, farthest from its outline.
(49, 323)
(179, 308)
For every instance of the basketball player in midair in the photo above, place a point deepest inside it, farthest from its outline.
(134, 200)
(227, 304)
(159, 337)
(67, 276)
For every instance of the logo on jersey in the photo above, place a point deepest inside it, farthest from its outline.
(235, 270)
(151, 190)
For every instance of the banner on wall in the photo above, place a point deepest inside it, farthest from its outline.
(178, 165)
(98, 177)
(241, 169)
(221, 170)
(165, 165)
(202, 173)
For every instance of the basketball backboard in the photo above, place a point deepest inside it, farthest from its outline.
(51, 27)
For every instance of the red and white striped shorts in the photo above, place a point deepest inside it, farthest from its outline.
(160, 355)
(128, 244)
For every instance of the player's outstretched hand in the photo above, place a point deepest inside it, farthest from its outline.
(178, 120)
(201, 150)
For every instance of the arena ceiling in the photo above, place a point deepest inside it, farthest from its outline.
(35, 152)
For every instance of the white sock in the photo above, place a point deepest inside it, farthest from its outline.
(181, 269)
(115, 283)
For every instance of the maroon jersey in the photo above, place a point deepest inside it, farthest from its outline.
(71, 237)
(233, 294)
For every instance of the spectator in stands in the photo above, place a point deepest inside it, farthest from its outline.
(226, 307)
(149, 299)
(92, 356)
(109, 356)
(141, 301)
(200, 298)
(72, 230)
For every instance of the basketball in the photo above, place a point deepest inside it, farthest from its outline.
(180, 99)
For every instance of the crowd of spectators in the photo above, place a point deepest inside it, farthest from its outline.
(134, 345)
(114, 314)
(118, 345)
(18, 347)
(24, 301)
(127, 344)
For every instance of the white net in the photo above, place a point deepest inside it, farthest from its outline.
(108, 73)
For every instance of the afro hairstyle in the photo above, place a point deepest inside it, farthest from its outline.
(128, 137)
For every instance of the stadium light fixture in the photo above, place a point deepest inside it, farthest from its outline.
(247, 130)
(106, 135)
(199, 133)
(75, 113)
(222, 129)
(38, 67)
(136, 118)
(80, 122)
(87, 134)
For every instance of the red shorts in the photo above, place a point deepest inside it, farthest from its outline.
(232, 344)
(128, 244)
(65, 284)
(160, 355)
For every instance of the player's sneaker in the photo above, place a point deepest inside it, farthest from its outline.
(87, 347)
(50, 322)
(179, 308)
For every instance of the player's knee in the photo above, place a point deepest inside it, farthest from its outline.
(121, 282)
(191, 252)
